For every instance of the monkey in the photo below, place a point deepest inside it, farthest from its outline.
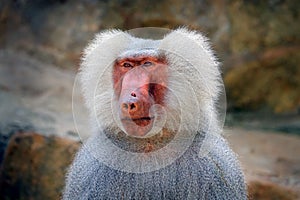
(154, 124)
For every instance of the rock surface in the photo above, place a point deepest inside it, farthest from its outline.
(269, 158)
(268, 191)
(37, 94)
(35, 166)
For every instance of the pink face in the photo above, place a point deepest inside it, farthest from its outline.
(139, 83)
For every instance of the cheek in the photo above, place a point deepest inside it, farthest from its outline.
(117, 81)
(159, 84)
(159, 92)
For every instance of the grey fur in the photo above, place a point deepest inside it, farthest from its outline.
(214, 175)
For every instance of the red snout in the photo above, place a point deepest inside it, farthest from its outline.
(135, 100)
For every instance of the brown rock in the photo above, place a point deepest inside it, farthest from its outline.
(268, 191)
(34, 166)
(269, 80)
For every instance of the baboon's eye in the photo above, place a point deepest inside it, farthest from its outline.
(147, 63)
(127, 65)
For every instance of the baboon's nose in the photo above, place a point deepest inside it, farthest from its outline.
(129, 107)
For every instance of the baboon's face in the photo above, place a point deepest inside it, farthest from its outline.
(139, 82)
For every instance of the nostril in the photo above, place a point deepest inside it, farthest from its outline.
(132, 106)
(129, 107)
(133, 94)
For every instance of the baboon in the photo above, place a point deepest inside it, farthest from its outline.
(155, 130)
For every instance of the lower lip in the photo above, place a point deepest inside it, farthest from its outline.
(145, 121)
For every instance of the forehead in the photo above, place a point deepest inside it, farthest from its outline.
(139, 58)
(140, 55)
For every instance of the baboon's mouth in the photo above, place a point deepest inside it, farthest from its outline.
(142, 121)
(138, 119)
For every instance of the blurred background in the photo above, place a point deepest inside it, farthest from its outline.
(257, 42)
